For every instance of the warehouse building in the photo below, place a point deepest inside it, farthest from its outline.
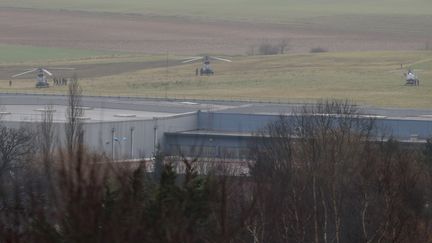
(134, 128)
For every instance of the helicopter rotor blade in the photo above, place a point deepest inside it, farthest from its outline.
(54, 68)
(221, 59)
(29, 71)
(192, 59)
(195, 57)
(46, 71)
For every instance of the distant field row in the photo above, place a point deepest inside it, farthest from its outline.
(19, 53)
(373, 78)
(270, 10)
(189, 36)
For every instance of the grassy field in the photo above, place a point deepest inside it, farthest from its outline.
(372, 78)
(271, 10)
(14, 54)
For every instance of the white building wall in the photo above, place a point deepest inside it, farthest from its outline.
(141, 141)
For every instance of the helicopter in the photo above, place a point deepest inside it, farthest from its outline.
(411, 79)
(205, 69)
(41, 80)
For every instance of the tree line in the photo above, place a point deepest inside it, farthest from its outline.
(319, 176)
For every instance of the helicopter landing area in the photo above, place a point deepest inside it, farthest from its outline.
(91, 70)
(152, 34)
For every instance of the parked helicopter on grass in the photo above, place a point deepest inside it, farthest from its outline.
(205, 68)
(411, 79)
(41, 80)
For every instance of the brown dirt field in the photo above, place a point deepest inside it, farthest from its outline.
(150, 34)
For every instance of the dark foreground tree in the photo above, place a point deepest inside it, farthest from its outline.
(317, 176)
(323, 177)
(74, 112)
(15, 146)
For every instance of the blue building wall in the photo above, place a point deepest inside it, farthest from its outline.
(230, 135)
(232, 122)
(207, 145)
(405, 129)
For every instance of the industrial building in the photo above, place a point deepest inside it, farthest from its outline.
(135, 127)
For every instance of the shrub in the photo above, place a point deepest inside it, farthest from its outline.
(268, 49)
(318, 50)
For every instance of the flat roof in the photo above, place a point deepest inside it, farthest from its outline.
(151, 107)
(287, 109)
(126, 103)
(34, 113)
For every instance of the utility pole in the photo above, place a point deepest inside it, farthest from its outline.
(131, 141)
(155, 137)
(112, 142)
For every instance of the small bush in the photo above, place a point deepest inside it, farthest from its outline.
(318, 50)
(268, 49)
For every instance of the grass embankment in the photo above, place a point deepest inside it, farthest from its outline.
(373, 78)
(370, 78)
